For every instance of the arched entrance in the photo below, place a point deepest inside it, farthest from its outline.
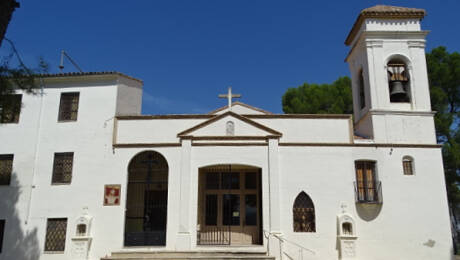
(147, 200)
(230, 205)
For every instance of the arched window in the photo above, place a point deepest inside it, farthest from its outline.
(304, 214)
(408, 165)
(398, 81)
(362, 97)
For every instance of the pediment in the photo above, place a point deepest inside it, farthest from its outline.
(240, 108)
(229, 125)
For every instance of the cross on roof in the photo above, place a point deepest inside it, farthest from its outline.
(229, 96)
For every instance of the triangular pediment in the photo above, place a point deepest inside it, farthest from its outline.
(240, 108)
(229, 125)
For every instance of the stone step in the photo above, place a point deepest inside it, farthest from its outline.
(191, 255)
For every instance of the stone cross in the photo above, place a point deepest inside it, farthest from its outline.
(229, 97)
(344, 207)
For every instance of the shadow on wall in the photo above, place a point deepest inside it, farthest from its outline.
(18, 244)
(368, 212)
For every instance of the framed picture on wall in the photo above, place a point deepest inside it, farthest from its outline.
(112, 195)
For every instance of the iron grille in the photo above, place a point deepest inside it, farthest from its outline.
(10, 110)
(407, 167)
(213, 235)
(68, 108)
(304, 214)
(62, 168)
(370, 193)
(56, 234)
(147, 200)
(6, 167)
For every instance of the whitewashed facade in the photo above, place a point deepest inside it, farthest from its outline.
(405, 217)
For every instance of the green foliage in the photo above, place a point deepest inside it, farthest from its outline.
(332, 98)
(13, 77)
(444, 77)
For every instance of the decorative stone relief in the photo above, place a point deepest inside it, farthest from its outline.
(346, 233)
(81, 242)
(230, 128)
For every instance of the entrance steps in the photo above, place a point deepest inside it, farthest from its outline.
(188, 255)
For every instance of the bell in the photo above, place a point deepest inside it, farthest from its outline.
(397, 93)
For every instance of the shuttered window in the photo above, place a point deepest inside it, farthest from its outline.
(11, 108)
(6, 168)
(56, 230)
(304, 214)
(366, 181)
(62, 168)
(68, 108)
(408, 165)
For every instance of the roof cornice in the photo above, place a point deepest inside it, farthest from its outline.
(383, 12)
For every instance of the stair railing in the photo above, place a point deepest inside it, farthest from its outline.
(282, 240)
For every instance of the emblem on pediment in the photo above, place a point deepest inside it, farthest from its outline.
(230, 128)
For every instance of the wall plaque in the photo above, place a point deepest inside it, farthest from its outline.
(112, 195)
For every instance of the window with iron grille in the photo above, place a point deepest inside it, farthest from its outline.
(2, 231)
(68, 108)
(366, 181)
(6, 167)
(408, 165)
(55, 234)
(62, 168)
(11, 108)
(304, 214)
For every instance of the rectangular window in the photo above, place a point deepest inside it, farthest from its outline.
(62, 168)
(211, 210)
(212, 180)
(10, 110)
(55, 234)
(231, 209)
(6, 168)
(366, 181)
(2, 232)
(250, 180)
(231, 180)
(68, 108)
(251, 209)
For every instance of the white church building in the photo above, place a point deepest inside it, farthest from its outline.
(84, 175)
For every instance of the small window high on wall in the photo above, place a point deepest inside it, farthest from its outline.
(304, 214)
(362, 97)
(408, 165)
(398, 81)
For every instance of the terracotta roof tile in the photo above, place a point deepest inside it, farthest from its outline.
(79, 74)
(383, 11)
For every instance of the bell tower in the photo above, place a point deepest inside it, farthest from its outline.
(391, 99)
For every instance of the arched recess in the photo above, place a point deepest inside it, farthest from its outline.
(147, 200)
(399, 76)
(304, 214)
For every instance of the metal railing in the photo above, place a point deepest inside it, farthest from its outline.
(368, 194)
(210, 235)
(301, 249)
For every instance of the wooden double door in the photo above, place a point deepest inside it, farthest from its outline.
(230, 207)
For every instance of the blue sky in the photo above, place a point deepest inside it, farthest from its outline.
(189, 51)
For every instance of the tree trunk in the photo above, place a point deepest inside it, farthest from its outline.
(7, 8)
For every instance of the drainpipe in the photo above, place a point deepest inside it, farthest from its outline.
(37, 142)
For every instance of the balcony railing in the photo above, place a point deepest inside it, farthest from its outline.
(368, 194)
